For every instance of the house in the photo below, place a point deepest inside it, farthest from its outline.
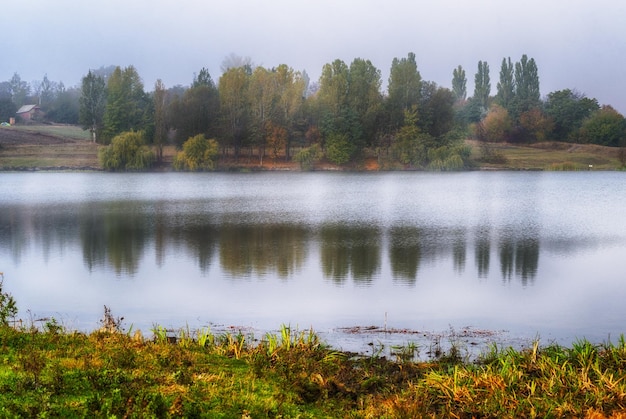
(28, 113)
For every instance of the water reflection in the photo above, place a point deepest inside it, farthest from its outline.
(349, 250)
(119, 236)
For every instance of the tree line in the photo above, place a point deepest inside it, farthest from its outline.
(255, 112)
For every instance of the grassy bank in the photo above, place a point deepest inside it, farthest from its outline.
(69, 147)
(54, 373)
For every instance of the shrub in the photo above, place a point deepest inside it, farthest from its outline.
(126, 152)
(339, 150)
(8, 308)
(198, 154)
(308, 156)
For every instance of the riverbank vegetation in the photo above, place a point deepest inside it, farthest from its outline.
(49, 371)
(107, 373)
(258, 116)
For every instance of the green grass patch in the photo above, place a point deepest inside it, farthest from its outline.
(549, 156)
(64, 131)
(107, 373)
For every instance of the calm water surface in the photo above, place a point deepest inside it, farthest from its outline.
(525, 255)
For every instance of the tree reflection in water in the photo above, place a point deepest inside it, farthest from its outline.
(118, 236)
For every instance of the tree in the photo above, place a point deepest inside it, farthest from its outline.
(436, 110)
(160, 118)
(92, 104)
(506, 85)
(19, 90)
(568, 109)
(527, 94)
(364, 99)
(198, 154)
(496, 126)
(128, 107)
(197, 110)
(333, 93)
(234, 107)
(127, 151)
(482, 85)
(291, 90)
(459, 84)
(262, 97)
(276, 138)
(405, 84)
(65, 108)
(409, 144)
(236, 61)
(339, 149)
(605, 127)
(340, 125)
(535, 125)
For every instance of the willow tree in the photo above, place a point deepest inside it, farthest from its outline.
(127, 151)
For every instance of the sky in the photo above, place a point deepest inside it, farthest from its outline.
(577, 44)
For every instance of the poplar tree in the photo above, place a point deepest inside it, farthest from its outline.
(506, 85)
(482, 85)
(527, 95)
(459, 84)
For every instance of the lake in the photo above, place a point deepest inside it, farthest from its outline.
(362, 258)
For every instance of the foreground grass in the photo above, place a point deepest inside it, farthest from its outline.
(111, 374)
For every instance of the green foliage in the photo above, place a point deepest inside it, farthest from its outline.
(482, 85)
(568, 109)
(448, 158)
(459, 84)
(198, 154)
(92, 104)
(408, 145)
(339, 150)
(405, 84)
(604, 127)
(128, 107)
(506, 85)
(126, 152)
(8, 307)
(527, 93)
(308, 156)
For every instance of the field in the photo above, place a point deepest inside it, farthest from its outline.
(46, 147)
(69, 147)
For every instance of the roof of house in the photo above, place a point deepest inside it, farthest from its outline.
(26, 108)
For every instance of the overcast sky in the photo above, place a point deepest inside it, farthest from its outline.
(577, 44)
